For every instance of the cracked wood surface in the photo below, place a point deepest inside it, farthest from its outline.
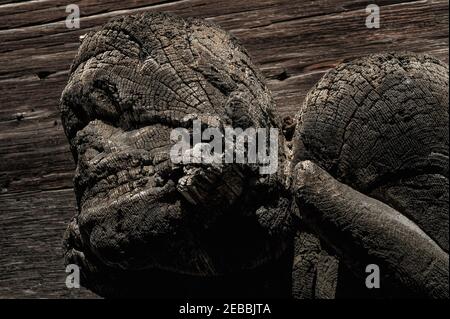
(293, 42)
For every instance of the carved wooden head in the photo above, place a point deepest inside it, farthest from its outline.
(131, 83)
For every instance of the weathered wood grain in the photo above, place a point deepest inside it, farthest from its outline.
(293, 42)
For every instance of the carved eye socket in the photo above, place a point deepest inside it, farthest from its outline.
(105, 99)
(87, 100)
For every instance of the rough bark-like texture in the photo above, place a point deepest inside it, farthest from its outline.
(364, 231)
(377, 124)
(293, 42)
(380, 125)
(132, 82)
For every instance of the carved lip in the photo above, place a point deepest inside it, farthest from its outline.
(110, 176)
(137, 200)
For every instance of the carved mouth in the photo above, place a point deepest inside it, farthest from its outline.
(113, 163)
(117, 174)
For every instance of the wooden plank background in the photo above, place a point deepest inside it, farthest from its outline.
(293, 42)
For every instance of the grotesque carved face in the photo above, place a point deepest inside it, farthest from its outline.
(132, 83)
